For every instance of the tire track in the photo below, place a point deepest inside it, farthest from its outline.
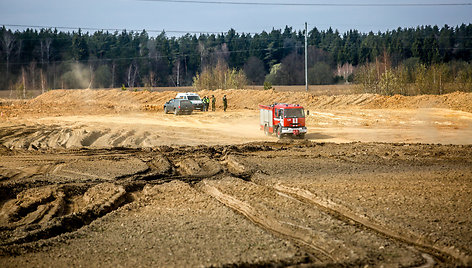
(342, 213)
(45, 212)
(298, 235)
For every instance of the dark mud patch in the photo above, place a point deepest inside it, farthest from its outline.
(200, 167)
(45, 212)
(239, 167)
(101, 169)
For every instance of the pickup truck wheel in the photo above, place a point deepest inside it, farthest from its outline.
(165, 110)
(175, 111)
(266, 130)
(279, 132)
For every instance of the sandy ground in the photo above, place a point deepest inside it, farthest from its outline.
(379, 185)
(148, 129)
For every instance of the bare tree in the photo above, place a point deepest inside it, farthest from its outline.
(8, 44)
(153, 56)
(113, 66)
(203, 53)
(44, 46)
(45, 55)
(43, 81)
(223, 53)
(128, 78)
(176, 72)
(92, 76)
(135, 73)
(254, 70)
(32, 71)
(54, 75)
(132, 74)
(23, 75)
(152, 77)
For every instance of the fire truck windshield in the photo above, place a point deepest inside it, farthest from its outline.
(294, 113)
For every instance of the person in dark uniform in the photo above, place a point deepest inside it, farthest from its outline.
(225, 103)
(213, 103)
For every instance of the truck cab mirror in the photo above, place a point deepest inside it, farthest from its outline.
(307, 112)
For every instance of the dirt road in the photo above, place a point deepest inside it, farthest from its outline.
(148, 129)
(378, 186)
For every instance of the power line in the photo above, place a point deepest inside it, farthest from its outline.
(313, 4)
(208, 54)
(162, 56)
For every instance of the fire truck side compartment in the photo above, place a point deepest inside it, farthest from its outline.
(266, 118)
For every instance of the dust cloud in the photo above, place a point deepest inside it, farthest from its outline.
(79, 76)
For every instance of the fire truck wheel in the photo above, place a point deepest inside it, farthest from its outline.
(279, 132)
(266, 130)
(301, 136)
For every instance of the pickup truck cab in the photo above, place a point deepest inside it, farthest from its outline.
(193, 98)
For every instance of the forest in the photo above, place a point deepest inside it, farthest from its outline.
(425, 59)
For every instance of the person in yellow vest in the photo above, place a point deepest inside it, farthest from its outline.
(205, 103)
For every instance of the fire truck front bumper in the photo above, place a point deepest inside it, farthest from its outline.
(294, 130)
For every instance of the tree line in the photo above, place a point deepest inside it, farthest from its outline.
(49, 59)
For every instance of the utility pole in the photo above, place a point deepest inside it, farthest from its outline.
(306, 58)
(178, 73)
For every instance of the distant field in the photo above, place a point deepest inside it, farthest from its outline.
(316, 90)
(7, 94)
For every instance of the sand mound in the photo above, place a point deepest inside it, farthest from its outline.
(99, 101)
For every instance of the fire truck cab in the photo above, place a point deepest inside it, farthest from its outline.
(283, 119)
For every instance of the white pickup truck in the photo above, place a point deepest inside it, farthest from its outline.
(193, 98)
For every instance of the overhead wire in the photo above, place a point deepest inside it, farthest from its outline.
(418, 4)
(181, 55)
(162, 56)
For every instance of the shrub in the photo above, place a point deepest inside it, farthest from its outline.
(320, 74)
(267, 85)
(220, 77)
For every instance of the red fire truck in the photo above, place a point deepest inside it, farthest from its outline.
(283, 119)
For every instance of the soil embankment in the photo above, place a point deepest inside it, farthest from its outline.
(116, 101)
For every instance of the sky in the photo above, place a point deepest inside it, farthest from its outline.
(175, 18)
